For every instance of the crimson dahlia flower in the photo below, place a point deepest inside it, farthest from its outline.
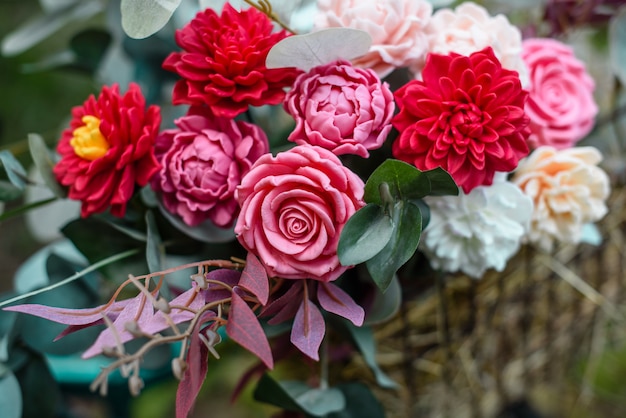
(466, 116)
(223, 62)
(108, 149)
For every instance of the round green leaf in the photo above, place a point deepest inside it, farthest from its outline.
(407, 228)
(441, 183)
(41, 157)
(365, 234)
(404, 181)
(360, 402)
(142, 18)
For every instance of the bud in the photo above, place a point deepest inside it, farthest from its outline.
(135, 384)
(200, 280)
(178, 367)
(162, 305)
(133, 328)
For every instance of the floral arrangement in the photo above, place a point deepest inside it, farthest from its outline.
(304, 172)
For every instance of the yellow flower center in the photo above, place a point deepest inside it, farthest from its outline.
(88, 142)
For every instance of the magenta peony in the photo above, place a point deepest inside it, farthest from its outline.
(466, 116)
(344, 109)
(203, 161)
(293, 209)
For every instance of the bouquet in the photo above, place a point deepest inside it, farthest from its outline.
(281, 169)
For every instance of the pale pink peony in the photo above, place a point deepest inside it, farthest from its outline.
(203, 160)
(293, 209)
(396, 28)
(560, 105)
(469, 28)
(344, 109)
(568, 189)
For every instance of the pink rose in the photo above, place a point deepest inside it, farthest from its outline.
(560, 105)
(203, 161)
(396, 28)
(293, 208)
(344, 109)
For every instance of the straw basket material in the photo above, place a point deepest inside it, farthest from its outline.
(541, 339)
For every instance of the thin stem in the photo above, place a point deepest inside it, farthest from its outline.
(267, 10)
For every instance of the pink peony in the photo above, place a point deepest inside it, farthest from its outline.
(396, 28)
(203, 161)
(293, 208)
(560, 105)
(223, 62)
(344, 109)
(470, 28)
(108, 149)
(568, 190)
(466, 116)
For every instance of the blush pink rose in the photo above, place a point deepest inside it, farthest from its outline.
(396, 28)
(344, 109)
(203, 161)
(560, 104)
(293, 209)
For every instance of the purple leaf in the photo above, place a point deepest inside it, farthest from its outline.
(308, 329)
(138, 309)
(216, 292)
(244, 328)
(191, 383)
(334, 299)
(284, 307)
(254, 279)
(71, 316)
(192, 299)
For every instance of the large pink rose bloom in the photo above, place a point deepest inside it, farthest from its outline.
(293, 209)
(203, 160)
(396, 28)
(341, 108)
(560, 105)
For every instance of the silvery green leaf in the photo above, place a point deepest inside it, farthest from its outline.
(142, 18)
(591, 235)
(43, 161)
(51, 6)
(42, 26)
(10, 396)
(318, 48)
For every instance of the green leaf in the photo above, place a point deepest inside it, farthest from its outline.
(425, 211)
(10, 395)
(363, 338)
(298, 396)
(441, 183)
(407, 228)
(25, 208)
(42, 26)
(16, 173)
(617, 45)
(39, 389)
(142, 18)
(89, 47)
(360, 402)
(41, 157)
(404, 181)
(365, 234)
(386, 304)
(9, 191)
(154, 246)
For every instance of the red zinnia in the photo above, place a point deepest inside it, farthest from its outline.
(108, 148)
(466, 116)
(223, 63)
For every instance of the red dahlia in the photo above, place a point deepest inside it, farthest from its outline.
(108, 148)
(223, 62)
(466, 116)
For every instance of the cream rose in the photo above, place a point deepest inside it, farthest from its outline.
(568, 189)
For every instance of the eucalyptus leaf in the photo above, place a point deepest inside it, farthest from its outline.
(142, 18)
(50, 62)
(15, 172)
(50, 6)
(363, 338)
(39, 389)
(154, 246)
(386, 304)
(9, 192)
(404, 181)
(407, 224)
(10, 396)
(89, 48)
(365, 234)
(318, 48)
(360, 402)
(207, 231)
(617, 45)
(43, 161)
(441, 183)
(42, 26)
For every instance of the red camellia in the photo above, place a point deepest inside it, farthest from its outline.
(223, 62)
(466, 116)
(108, 149)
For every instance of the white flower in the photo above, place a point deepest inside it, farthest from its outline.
(477, 231)
(568, 189)
(470, 28)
